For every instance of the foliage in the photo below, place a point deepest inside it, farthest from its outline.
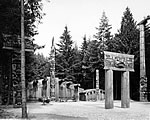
(126, 40)
(77, 64)
(37, 68)
(84, 46)
(84, 55)
(10, 17)
(84, 63)
(94, 56)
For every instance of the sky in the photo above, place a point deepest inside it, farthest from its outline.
(82, 17)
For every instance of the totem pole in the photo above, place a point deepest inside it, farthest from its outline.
(52, 70)
(97, 84)
(143, 77)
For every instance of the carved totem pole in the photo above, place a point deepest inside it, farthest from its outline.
(143, 77)
(52, 70)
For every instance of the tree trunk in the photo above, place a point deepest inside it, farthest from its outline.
(24, 107)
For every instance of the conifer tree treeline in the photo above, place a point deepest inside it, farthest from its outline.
(84, 62)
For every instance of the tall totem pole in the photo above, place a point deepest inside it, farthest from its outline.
(52, 70)
(143, 77)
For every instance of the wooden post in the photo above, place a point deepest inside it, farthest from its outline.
(57, 89)
(109, 89)
(125, 99)
(24, 106)
(66, 92)
(78, 93)
(86, 97)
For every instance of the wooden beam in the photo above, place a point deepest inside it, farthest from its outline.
(15, 49)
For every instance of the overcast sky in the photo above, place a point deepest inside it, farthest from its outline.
(82, 16)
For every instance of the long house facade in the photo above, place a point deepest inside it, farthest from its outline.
(10, 69)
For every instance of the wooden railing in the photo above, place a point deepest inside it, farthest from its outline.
(91, 95)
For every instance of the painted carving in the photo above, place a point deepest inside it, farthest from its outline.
(118, 61)
(16, 79)
(143, 88)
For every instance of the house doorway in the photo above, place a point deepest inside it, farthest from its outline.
(117, 85)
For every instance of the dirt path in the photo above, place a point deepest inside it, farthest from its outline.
(86, 111)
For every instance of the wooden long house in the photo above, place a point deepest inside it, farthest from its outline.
(10, 68)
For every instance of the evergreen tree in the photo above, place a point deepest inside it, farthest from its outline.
(84, 46)
(103, 35)
(65, 57)
(77, 64)
(84, 62)
(127, 41)
(84, 55)
(94, 55)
